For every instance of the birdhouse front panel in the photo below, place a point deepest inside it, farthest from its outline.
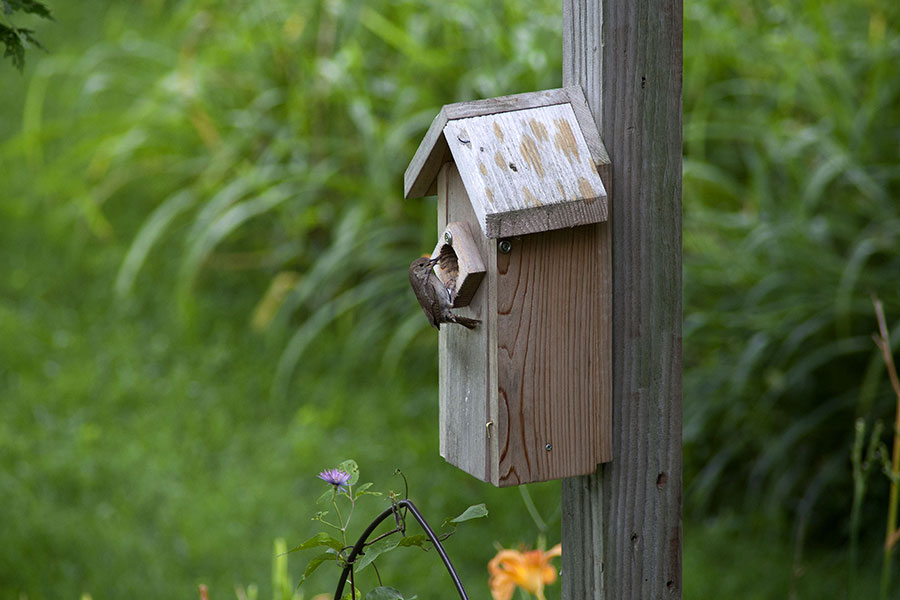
(551, 355)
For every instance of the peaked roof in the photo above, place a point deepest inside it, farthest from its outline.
(528, 162)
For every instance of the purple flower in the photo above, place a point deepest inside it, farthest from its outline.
(335, 477)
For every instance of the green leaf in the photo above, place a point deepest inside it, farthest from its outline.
(350, 467)
(361, 491)
(16, 39)
(314, 564)
(320, 539)
(415, 540)
(476, 511)
(375, 550)
(326, 495)
(29, 6)
(386, 545)
(384, 593)
(13, 43)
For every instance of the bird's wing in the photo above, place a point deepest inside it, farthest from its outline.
(427, 297)
(440, 290)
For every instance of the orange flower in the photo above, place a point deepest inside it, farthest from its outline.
(530, 570)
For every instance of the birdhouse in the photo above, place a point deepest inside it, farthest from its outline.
(523, 245)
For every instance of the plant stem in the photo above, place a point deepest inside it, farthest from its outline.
(350, 512)
(532, 509)
(859, 492)
(882, 340)
(343, 527)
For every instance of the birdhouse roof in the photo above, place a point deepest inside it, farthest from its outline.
(528, 162)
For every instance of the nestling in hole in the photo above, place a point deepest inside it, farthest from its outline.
(448, 269)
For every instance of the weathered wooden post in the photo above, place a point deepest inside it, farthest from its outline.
(621, 529)
(559, 227)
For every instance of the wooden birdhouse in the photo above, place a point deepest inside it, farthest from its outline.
(524, 247)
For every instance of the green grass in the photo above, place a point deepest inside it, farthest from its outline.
(744, 556)
(165, 163)
(140, 459)
(791, 220)
(152, 439)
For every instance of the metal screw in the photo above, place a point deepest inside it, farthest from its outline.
(448, 237)
(504, 246)
(548, 447)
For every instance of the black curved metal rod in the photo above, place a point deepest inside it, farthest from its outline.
(361, 543)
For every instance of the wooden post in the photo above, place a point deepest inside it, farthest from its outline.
(621, 528)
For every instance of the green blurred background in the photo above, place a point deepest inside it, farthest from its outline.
(203, 298)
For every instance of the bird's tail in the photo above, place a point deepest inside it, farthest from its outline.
(466, 321)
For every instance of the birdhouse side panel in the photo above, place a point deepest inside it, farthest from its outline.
(554, 365)
(467, 358)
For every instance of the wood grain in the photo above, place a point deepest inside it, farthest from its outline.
(433, 152)
(587, 125)
(621, 527)
(467, 358)
(420, 178)
(553, 356)
(466, 267)
(527, 170)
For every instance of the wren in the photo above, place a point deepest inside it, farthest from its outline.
(433, 296)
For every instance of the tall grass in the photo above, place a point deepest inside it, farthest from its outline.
(792, 218)
(188, 172)
(892, 465)
(272, 139)
(164, 175)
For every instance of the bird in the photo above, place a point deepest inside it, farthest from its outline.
(433, 296)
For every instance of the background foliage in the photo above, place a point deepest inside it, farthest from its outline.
(205, 303)
(792, 220)
(16, 38)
